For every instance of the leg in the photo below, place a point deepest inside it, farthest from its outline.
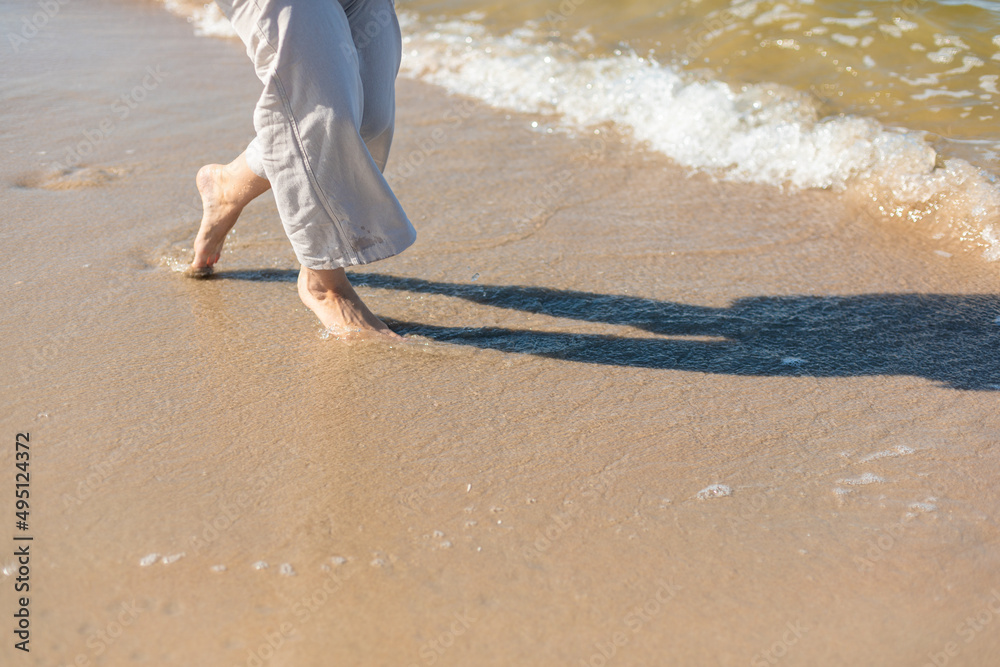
(332, 298)
(375, 31)
(336, 207)
(225, 190)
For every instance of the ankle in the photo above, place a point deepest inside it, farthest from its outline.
(328, 295)
(228, 198)
(332, 283)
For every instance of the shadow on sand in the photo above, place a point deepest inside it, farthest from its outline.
(950, 339)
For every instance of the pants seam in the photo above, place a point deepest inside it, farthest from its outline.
(317, 189)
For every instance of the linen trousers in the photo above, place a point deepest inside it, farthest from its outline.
(325, 122)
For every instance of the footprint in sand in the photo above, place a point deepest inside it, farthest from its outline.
(71, 178)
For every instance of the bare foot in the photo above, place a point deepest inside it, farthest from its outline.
(219, 215)
(331, 297)
(225, 191)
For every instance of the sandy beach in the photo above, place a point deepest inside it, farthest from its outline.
(642, 417)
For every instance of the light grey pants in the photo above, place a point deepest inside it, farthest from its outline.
(325, 122)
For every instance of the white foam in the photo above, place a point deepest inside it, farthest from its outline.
(891, 30)
(953, 41)
(286, 570)
(846, 40)
(146, 561)
(969, 63)
(850, 22)
(714, 491)
(173, 558)
(954, 94)
(898, 450)
(862, 480)
(755, 133)
(207, 19)
(943, 56)
(779, 14)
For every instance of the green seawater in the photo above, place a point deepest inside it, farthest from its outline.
(926, 65)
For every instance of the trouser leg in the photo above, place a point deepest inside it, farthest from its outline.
(336, 207)
(255, 158)
(375, 31)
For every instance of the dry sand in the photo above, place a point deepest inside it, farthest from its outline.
(597, 338)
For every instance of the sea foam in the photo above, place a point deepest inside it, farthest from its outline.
(207, 19)
(766, 134)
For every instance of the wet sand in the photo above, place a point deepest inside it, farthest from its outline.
(597, 339)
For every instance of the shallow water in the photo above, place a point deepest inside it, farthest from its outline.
(923, 64)
(728, 406)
